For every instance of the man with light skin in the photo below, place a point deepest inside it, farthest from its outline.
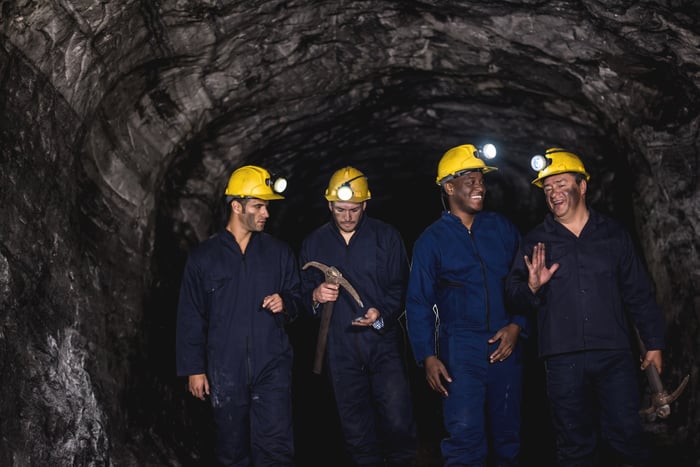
(363, 358)
(247, 216)
(346, 215)
(240, 288)
(580, 273)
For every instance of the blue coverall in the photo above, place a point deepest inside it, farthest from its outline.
(585, 339)
(223, 331)
(462, 274)
(365, 365)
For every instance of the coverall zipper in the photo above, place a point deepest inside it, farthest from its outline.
(483, 275)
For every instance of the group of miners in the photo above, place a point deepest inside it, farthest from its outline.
(470, 291)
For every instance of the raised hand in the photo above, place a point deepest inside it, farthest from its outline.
(539, 274)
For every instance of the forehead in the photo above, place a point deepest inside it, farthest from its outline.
(475, 175)
(345, 205)
(559, 178)
(256, 202)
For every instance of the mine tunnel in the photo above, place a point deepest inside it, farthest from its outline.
(122, 121)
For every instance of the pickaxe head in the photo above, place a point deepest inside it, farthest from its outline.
(335, 277)
(661, 401)
(660, 398)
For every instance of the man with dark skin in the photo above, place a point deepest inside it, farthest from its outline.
(456, 285)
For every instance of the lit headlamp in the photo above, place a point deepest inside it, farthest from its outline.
(487, 152)
(539, 162)
(344, 191)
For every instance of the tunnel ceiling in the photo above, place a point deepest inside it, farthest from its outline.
(174, 95)
(124, 119)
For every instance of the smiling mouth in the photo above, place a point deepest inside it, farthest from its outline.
(558, 204)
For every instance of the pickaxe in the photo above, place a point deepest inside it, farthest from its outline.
(660, 398)
(334, 277)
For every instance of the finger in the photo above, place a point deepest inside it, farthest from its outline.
(440, 388)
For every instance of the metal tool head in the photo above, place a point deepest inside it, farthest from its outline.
(661, 401)
(334, 276)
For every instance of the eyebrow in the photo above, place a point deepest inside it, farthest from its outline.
(555, 181)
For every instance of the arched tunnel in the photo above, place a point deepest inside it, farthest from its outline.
(122, 120)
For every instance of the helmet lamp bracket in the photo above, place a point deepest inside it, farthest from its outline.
(345, 190)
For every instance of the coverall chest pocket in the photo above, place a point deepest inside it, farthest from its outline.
(216, 289)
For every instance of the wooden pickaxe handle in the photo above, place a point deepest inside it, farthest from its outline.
(333, 276)
(660, 398)
(326, 314)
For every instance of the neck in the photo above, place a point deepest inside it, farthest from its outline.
(466, 217)
(241, 235)
(576, 221)
(347, 236)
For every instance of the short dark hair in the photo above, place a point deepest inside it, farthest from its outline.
(579, 177)
(241, 200)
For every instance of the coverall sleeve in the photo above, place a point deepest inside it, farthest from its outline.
(291, 289)
(518, 313)
(420, 302)
(638, 297)
(310, 279)
(192, 324)
(391, 303)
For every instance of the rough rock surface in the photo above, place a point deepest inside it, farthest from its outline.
(121, 121)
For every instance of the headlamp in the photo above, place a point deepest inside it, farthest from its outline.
(344, 191)
(277, 183)
(280, 184)
(539, 162)
(488, 151)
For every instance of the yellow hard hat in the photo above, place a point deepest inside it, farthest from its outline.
(251, 181)
(556, 161)
(461, 159)
(348, 184)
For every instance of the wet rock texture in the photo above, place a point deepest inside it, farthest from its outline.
(121, 121)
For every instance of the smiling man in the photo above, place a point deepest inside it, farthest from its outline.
(580, 273)
(456, 284)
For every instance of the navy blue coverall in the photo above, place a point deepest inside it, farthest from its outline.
(365, 365)
(457, 281)
(223, 331)
(585, 335)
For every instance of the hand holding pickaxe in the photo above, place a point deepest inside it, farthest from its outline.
(327, 293)
(660, 398)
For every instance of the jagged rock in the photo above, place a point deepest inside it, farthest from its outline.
(121, 121)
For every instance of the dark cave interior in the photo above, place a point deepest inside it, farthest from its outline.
(122, 121)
